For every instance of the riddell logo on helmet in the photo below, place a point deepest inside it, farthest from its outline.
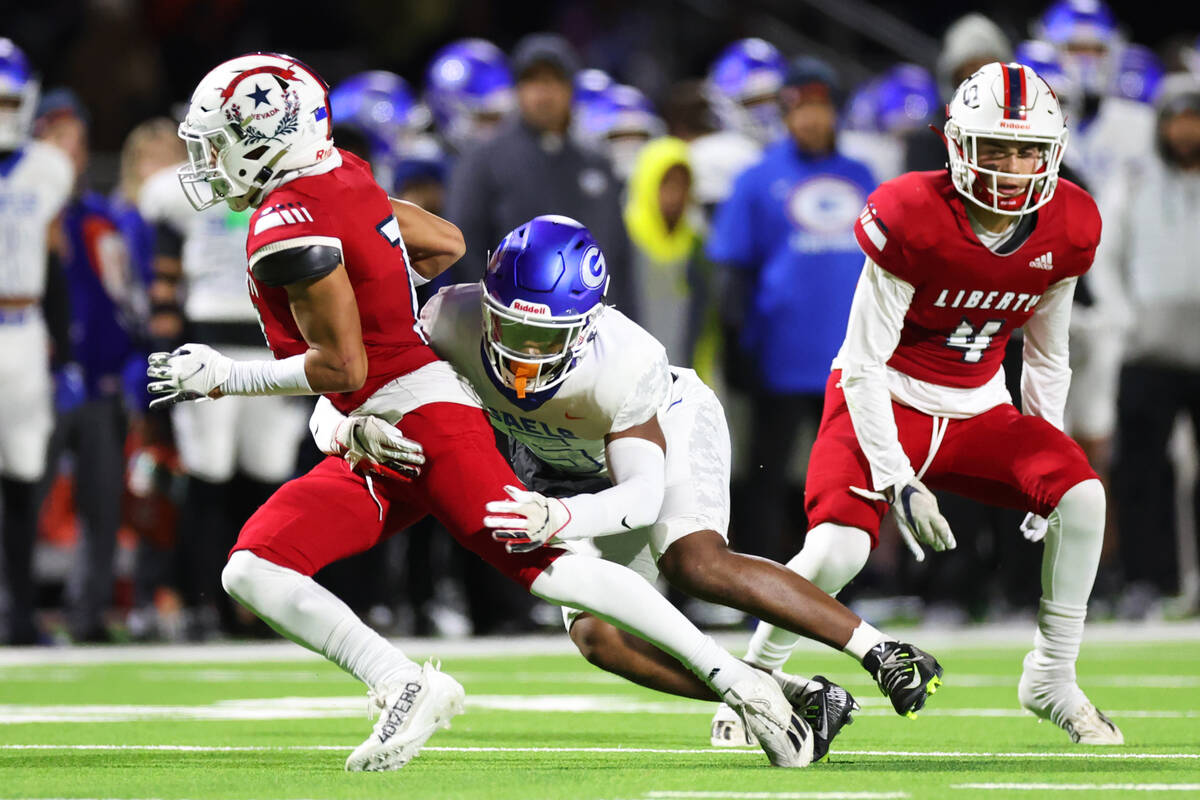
(1015, 123)
(530, 308)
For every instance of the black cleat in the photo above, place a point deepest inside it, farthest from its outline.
(906, 674)
(826, 710)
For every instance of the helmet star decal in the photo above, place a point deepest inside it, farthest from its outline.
(259, 95)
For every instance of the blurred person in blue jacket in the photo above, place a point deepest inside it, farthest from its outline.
(106, 304)
(785, 237)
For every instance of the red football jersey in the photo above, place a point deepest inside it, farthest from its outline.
(968, 300)
(344, 208)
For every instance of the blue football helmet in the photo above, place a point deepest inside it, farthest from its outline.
(1044, 58)
(618, 121)
(1087, 37)
(469, 89)
(744, 82)
(542, 293)
(906, 99)
(1139, 72)
(383, 107)
(861, 110)
(18, 96)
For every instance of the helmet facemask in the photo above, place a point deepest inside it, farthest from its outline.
(206, 179)
(17, 106)
(981, 185)
(530, 351)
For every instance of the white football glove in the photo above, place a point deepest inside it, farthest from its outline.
(375, 446)
(1034, 527)
(189, 372)
(530, 520)
(915, 510)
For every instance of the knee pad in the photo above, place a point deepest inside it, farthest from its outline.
(832, 555)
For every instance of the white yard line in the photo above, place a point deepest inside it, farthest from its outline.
(285, 708)
(931, 638)
(778, 795)
(187, 748)
(1083, 787)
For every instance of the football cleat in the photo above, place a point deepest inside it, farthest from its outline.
(728, 730)
(409, 715)
(906, 674)
(780, 730)
(826, 708)
(1058, 698)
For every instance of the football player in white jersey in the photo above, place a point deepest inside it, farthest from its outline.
(35, 182)
(628, 457)
(199, 286)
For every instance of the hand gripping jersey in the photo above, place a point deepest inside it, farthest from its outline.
(35, 182)
(342, 207)
(622, 380)
(968, 299)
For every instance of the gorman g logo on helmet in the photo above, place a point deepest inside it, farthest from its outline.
(592, 268)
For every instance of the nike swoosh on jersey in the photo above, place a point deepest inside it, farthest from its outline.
(568, 415)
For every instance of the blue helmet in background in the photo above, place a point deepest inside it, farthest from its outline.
(1087, 37)
(19, 91)
(469, 89)
(861, 111)
(542, 293)
(1139, 73)
(1045, 60)
(744, 81)
(906, 98)
(383, 107)
(617, 121)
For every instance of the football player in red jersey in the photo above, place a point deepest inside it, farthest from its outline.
(956, 261)
(332, 266)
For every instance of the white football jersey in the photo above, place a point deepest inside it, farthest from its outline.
(622, 379)
(35, 182)
(214, 250)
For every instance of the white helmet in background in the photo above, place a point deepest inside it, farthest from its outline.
(1011, 103)
(250, 122)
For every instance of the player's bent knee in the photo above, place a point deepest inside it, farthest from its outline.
(832, 555)
(696, 564)
(237, 578)
(596, 640)
(1084, 505)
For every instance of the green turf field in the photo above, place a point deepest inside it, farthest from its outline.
(274, 722)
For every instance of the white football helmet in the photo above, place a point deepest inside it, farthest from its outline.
(1007, 102)
(18, 96)
(251, 122)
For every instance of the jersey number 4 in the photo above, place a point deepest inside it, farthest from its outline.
(973, 341)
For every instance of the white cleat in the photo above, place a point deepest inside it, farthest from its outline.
(728, 730)
(1059, 699)
(781, 732)
(409, 715)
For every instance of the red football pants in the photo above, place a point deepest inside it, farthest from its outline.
(1000, 457)
(329, 513)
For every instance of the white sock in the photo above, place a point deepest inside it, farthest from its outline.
(863, 639)
(1073, 541)
(832, 555)
(310, 615)
(620, 596)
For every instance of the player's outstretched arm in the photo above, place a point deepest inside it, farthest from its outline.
(1046, 373)
(433, 243)
(637, 464)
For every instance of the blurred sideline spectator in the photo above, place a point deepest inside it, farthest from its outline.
(532, 166)
(1151, 242)
(662, 224)
(36, 179)
(785, 237)
(106, 305)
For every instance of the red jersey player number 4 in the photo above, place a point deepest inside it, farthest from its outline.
(956, 261)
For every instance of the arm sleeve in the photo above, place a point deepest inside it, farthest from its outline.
(881, 301)
(1046, 376)
(639, 471)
